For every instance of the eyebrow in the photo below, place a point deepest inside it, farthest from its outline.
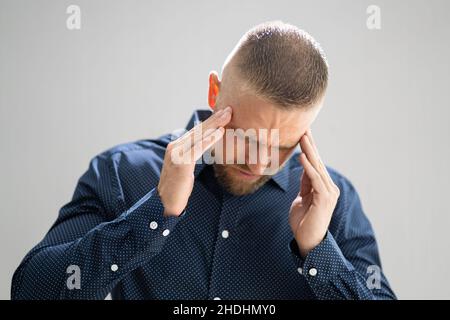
(283, 147)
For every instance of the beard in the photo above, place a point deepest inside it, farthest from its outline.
(232, 184)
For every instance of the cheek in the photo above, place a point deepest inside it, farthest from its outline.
(228, 150)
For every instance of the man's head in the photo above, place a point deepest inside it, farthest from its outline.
(275, 78)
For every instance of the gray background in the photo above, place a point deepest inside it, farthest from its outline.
(137, 69)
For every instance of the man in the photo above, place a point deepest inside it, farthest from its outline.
(144, 226)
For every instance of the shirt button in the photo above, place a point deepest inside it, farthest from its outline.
(225, 234)
(312, 272)
(300, 270)
(114, 267)
(216, 298)
(153, 225)
(166, 232)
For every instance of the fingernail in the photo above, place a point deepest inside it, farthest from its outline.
(228, 109)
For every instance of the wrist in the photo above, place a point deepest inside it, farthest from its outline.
(168, 211)
(305, 247)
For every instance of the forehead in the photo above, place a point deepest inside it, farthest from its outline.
(253, 112)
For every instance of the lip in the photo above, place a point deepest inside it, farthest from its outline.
(245, 175)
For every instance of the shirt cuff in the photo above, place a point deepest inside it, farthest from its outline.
(118, 247)
(150, 228)
(323, 264)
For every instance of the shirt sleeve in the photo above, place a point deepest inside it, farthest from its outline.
(102, 247)
(346, 264)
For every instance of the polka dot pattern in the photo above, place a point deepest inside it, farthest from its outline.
(221, 247)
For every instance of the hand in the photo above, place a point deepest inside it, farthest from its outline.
(311, 211)
(177, 177)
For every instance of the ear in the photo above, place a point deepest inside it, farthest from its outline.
(214, 87)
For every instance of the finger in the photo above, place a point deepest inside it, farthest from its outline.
(305, 183)
(324, 168)
(319, 165)
(314, 159)
(311, 138)
(316, 180)
(218, 119)
(313, 143)
(221, 118)
(198, 131)
(295, 219)
(207, 142)
(190, 154)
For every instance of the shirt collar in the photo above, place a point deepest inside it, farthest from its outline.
(281, 178)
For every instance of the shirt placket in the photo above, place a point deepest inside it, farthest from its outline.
(225, 242)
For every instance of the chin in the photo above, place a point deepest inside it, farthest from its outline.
(234, 185)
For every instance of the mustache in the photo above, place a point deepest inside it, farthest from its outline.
(242, 167)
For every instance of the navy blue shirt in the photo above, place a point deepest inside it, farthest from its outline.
(222, 247)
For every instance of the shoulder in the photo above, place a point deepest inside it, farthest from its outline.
(128, 171)
(136, 149)
(130, 162)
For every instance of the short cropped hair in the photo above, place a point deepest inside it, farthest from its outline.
(282, 63)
